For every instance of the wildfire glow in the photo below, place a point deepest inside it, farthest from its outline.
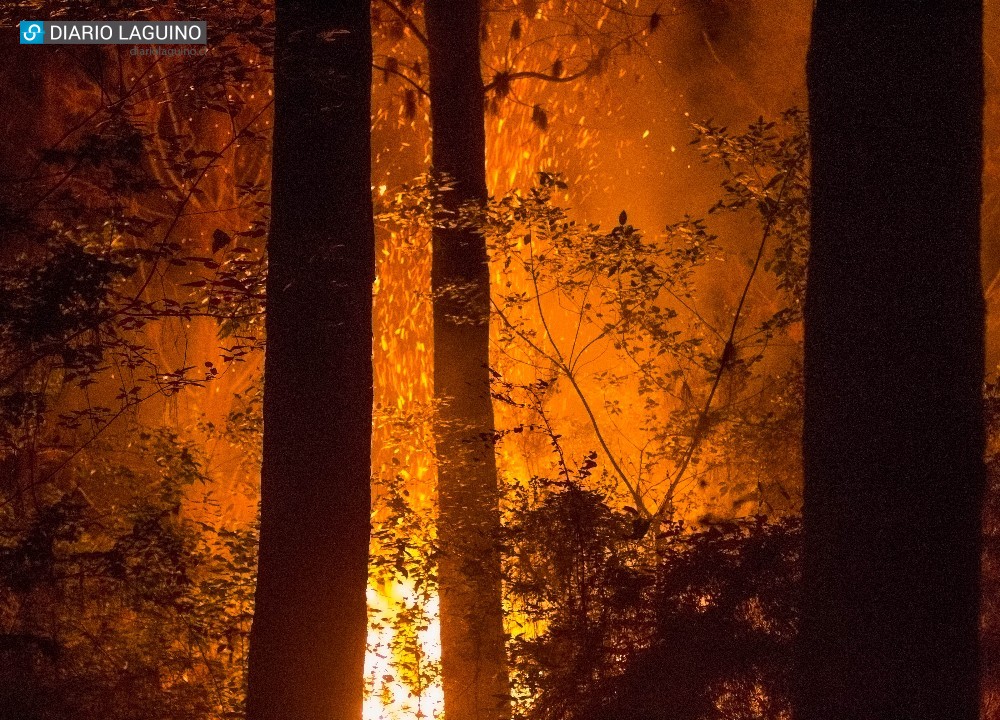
(388, 695)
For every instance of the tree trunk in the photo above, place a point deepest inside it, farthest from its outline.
(473, 656)
(893, 436)
(309, 631)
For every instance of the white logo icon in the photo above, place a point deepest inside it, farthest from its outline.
(32, 32)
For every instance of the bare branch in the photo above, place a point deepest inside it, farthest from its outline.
(401, 14)
(395, 71)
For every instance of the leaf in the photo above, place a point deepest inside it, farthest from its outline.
(391, 66)
(515, 30)
(622, 218)
(220, 239)
(410, 103)
(540, 118)
(777, 178)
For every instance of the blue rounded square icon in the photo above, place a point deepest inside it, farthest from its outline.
(32, 32)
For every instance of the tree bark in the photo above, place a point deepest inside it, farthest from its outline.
(307, 645)
(473, 655)
(893, 435)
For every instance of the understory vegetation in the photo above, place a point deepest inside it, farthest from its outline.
(127, 585)
(647, 442)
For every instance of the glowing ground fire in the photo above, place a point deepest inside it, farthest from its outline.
(387, 695)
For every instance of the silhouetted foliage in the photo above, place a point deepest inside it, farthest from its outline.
(125, 606)
(704, 631)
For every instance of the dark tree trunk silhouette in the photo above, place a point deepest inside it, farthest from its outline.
(309, 631)
(894, 363)
(473, 660)
(989, 636)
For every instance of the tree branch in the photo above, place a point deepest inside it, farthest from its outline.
(401, 14)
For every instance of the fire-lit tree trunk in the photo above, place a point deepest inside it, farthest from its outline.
(894, 363)
(309, 631)
(473, 657)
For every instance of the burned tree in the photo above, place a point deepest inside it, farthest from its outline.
(309, 631)
(894, 364)
(473, 663)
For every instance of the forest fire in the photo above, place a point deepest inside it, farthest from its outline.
(399, 359)
(395, 652)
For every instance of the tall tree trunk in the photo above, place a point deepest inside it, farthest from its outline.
(894, 363)
(307, 646)
(473, 659)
